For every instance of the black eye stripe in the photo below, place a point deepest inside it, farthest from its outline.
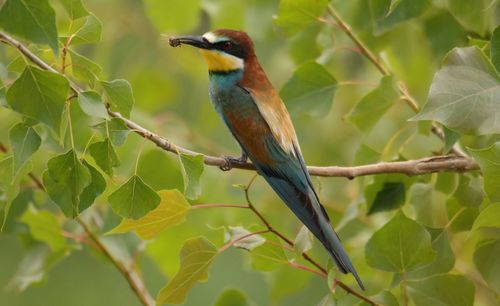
(233, 48)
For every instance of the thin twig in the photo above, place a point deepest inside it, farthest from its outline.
(296, 265)
(411, 167)
(134, 280)
(364, 50)
(380, 65)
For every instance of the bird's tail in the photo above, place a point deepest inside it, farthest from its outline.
(332, 243)
(298, 194)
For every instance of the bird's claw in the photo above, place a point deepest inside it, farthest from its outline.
(231, 160)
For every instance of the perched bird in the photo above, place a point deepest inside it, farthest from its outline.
(251, 108)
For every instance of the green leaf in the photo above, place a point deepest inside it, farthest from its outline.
(269, 255)
(39, 95)
(31, 19)
(44, 227)
(92, 105)
(450, 138)
(134, 199)
(387, 192)
(116, 129)
(464, 94)
(17, 65)
(36, 263)
(488, 217)
(171, 211)
(89, 33)
(401, 245)
(3, 100)
(303, 46)
(74, 8)
(16, 209)
(65, 179)
(373, 106)
(232, 297)
(366, 155)
(447, 182)
(10, 185)
(310, 90)
(444, 33)
(303, 241)
(398, 12)
(489, 161)
(445, 259)
(119, 96)
(471, 14)
(237, 232)
(495, 48)
(429, 206)
(83, 68)
(295, 15)
(469, 191)
(24, 142)
(196, 256)
(462, 218)
(104, 155)
(186, 12)
(192, 169)
(449, 290)
(391, 196)
(488, 263)
(94, 189)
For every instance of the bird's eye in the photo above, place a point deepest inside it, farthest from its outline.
(227, 45)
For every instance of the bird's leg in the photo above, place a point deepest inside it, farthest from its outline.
(231, 160)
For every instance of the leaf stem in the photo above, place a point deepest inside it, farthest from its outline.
(137, 159)
(404, 290)
(70, 125)
(65, 52)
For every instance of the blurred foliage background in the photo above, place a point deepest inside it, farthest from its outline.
(171, 98)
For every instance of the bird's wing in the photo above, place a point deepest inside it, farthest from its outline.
(277, 118)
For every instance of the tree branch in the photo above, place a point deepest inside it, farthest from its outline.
(380, 65)
(412, 167)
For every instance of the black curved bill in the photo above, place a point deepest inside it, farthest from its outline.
(196, 41)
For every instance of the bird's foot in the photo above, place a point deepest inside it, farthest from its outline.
(231, 160)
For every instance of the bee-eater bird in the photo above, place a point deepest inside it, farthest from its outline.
(254, 113)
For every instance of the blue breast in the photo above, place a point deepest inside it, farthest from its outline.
(227, 96)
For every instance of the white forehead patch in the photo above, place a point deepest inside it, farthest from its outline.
(211, 37)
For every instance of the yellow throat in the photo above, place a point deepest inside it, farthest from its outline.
(220, 61)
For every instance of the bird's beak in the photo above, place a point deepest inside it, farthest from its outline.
(196, 41)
